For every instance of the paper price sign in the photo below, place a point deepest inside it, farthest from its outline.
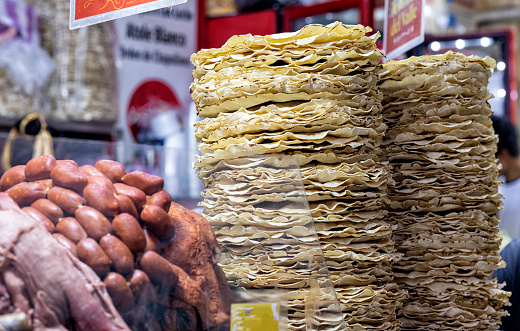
(88, 12)
(404, 26)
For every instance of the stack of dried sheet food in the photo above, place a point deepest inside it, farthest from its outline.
(441, 146)
(313, 95)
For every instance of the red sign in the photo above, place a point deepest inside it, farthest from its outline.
(88, 12)
(404, 28)
(89, 8)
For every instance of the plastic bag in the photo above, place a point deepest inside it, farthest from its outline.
(27, 65)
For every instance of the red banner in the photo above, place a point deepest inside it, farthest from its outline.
(89, 8)
(403, 26)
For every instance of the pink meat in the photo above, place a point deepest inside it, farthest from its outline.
(41, 278)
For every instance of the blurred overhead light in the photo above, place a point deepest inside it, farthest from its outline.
(435, 46)
(485, 42)
(460, 44)
(501, 93)
(501, 66)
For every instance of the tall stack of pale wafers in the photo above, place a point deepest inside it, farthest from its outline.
(312, 95)
(441, 147)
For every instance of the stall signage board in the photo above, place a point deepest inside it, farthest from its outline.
(88, 12)
(404, 26)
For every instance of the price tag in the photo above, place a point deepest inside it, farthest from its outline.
(255, 317)
(88, 12)
(404, 26)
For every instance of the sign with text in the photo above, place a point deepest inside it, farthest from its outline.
(154, 74)
(88, 12)
(404, 26)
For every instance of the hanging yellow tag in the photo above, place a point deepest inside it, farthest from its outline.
(255, 317)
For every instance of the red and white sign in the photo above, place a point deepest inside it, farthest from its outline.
(88, 12)
(404, 26)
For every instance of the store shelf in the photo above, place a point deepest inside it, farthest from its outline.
(98, 130)
(472, 18)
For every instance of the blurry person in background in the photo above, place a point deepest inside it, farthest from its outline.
(509, 158)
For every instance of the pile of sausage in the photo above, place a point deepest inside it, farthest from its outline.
(157, 259)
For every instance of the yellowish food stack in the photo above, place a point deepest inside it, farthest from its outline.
(441, 147)
(313, 95)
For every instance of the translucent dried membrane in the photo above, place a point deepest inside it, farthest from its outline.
(360, 218)
(268, 54)
(426, 82)
(342, 145)
(442, 204)
(345, 231)
(273, 209)
(460, 69)
(446, 113)
(257, 180)
(407, 110)
(471, 219)
(345, 174)
(435, 61)
(462, 129)
(313, 34)
(268, 81)
(441, 178)
(268, 221)
(240, 76)
(347, 207)
(443, 89)
(318, 194)
(458, 165)
(312, 116)
(344, 134)
(326, 157)
(207, 109)
(240, 230)
(448, 159)
(252, 188)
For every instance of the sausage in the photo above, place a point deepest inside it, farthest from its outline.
(66, 242)
(66, 199)
(158, 221)
(70, 228)
(69, 176)
(94, 256)
(49, 209)
(120, 255)
(42, 220)
(90, 171)
(46, 184)
(26, 193)
(101, 198)
(141, 286)
(126, 205)
(40, 168)
(162, 199)
(152, 242)
(128, 229)
(112, 169)
(95, 223)
(119, 291)
(103, 181)
(158, 269)
(69, 162)
(12, 177)
(147, 183)
(136, 195)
